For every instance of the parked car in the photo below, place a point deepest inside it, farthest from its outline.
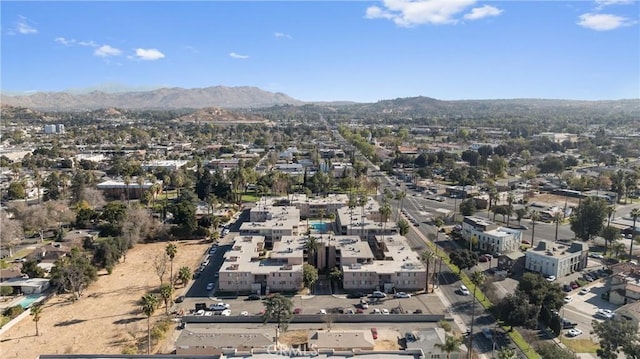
(574, 285)
(550, 278)
(376, 311)
(567, 324)
(584, 291)
(574, 332)
(323, 311)
(374, 333)
(568, 299)
(604, 313)
(210, 286)
(488, 333)
(483, 259)
(567, 288)
(219, 306)
(180, 299)
(596, 255)
(253, 297)
(378, 294)
(244, 313)
(355, 295)
(402, 295)
(364, 305)
(385, 311)
(417, 311)
(297, 311)
(464, 290)
(226, 312)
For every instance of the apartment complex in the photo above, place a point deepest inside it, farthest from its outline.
(398, 266)
(272, 223)
(553, 259)
(364, 221)
(491, 237)
(249, 267)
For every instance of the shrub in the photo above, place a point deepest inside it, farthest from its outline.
(13, 312)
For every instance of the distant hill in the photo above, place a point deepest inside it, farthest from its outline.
(220, 116)
(164, 98)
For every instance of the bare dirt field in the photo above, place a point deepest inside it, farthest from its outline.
(107, 318)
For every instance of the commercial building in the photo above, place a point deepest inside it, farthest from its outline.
(554, 259)
(489, 236)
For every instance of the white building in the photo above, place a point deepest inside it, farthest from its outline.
(272, 222)
(491, 237)
(554, 259)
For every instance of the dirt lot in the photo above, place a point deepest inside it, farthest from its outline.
(107, 318)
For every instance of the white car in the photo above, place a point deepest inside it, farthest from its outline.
(378, 294)
(376, 311)
(584, 291)
(574, 332)
(244, 314)
(200, 312)
(208, 314)
(550, 278)
(364, 305)
(605, 313)
(385, 311)
(568, 299)
(596, 255)
(402, 295)
(226, 312)
(464, 290)
(219, 306)
(323, 311)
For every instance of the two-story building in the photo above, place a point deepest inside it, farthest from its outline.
(554, 259)
(489, 237)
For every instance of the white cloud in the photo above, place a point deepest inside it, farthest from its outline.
(106, 51)
(603, 22)
(72, 42)
(482, 12)
(282, 35)
(238, 56)
(192, 49)
(409, 13)
(613, 2)
(23, 27)
(149, 54)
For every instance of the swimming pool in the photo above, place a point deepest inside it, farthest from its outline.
(29, 299)
(320, 226)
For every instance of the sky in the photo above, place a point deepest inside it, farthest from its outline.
(362, 51)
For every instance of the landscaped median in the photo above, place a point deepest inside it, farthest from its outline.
(513, 334)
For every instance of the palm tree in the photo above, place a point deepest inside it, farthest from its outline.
(557, 218)
(477, 278)
(635, 213)
(127, 182)
(311, 246)
(385, 212)
(166, 292)
(451, 344)
(427, 258)
(510, 199)
(36, 312)
(171, 251)
(148, 305)
(438, 222)
(534, 218)
(400, 197)
(610, 211)
(617, 247)
(184, 274)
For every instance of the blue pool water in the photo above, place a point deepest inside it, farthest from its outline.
(29, 299)
(319, 226)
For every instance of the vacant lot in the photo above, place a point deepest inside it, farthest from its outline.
(107, 318)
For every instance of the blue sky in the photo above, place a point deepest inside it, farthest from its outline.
(320, 51)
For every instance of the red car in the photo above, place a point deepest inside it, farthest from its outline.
(374, 332)
(297, 311)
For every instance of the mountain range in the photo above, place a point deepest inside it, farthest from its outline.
(160, 99)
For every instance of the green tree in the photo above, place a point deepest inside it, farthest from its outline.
(403, 227)
(184, 275)
(148, 306)
(520, 213)
(467, 207)
(385, 212)
(451, 344)
(278, 308)
(73, 273)
(617, 247)
(617, 334)
(553, 351)
(438, 222)
(16, 190)
(497, 166)
(588, 218)
(166, 293)
(336, 276)
(463, 258)
(31, 269)
(507, 353)
(309, 275)
(36, 313)
(171, 251)
(610, 235)
(541, 292)
(516, 310)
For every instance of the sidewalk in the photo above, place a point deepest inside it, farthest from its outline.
(459, 322)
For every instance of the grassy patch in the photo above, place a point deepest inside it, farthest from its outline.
(250, 198)
(580, 345)
(523, 345)
(4, 320)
